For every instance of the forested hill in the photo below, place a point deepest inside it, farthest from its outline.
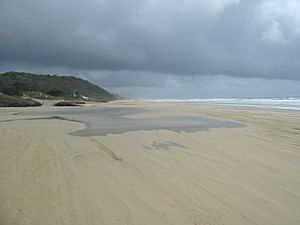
(16, 83)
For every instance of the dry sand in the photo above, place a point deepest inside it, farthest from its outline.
(245, 175)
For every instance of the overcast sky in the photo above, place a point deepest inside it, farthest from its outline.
(159, 49)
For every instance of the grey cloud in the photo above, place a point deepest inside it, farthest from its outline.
(246, 38)
(189, 87)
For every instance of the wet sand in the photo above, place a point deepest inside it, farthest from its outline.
(173, 164)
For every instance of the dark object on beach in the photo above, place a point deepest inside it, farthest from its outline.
(16, 101)
(104, 101)
(69, 103)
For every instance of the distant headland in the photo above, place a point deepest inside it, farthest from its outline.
(26, 89)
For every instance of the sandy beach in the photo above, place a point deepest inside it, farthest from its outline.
(168, 163)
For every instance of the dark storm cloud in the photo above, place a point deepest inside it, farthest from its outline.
(245, 38)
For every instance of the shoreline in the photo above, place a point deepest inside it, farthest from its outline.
(284, 103)
(244, 175)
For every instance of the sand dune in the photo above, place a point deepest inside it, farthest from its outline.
(243, 175)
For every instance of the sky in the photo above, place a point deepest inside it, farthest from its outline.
(158, 49)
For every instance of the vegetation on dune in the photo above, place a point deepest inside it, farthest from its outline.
(16, 101)
(69, 103)
(41, 95)
(51, 87)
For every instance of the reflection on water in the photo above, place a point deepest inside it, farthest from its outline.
(103, 121)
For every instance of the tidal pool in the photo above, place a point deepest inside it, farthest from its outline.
(103, 121)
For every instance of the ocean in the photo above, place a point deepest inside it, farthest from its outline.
(290, 103)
